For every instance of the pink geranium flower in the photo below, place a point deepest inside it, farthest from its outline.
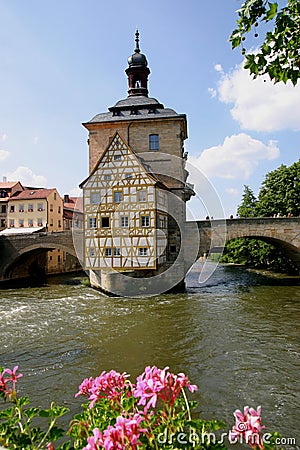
(247, 427)
(94, 441)
(85, 387)
(157, 383)
(110, 385)
(12, 378)
(124, 435)
(50, 446)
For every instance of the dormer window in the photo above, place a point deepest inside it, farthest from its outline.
(153, 142)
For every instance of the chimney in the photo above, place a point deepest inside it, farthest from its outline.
(66, 198)
(4, 179)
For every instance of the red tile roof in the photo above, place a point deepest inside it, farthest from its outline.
(75, 204)
(29, 194)
(8, 184)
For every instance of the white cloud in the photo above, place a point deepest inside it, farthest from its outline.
(237, 157)
(259, 104)
(4, 154)
(3, 137)
(36, 140)
(232, 191)
(218, 68)
(26, 176)
(212, 92)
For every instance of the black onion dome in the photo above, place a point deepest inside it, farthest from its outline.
(137, 59)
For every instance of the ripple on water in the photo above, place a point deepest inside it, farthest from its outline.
(236, 337)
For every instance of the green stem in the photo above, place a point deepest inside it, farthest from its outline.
(51, 425)
(187, 404)
(23, 421)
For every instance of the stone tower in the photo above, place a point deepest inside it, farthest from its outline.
(156, 136)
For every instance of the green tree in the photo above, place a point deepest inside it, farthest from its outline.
(248, 206)
(280, 192)
(278, 55)
(258, 254)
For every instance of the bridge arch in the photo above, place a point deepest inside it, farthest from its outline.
(20, 254)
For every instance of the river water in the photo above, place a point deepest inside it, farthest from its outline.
(237, 338)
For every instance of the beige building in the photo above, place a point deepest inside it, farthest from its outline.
(39, 208)
(36, 208)
(7, 189)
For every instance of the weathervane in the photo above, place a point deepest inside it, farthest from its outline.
(137, 47)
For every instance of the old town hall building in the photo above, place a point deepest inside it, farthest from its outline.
(135, 195)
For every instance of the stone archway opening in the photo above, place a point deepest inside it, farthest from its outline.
(36, 264)
(263, 252)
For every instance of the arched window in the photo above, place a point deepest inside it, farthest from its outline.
(153, 142)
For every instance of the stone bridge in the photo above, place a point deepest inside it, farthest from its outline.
(212, 235)
(17, 252)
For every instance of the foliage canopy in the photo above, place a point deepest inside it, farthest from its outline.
(278, 55)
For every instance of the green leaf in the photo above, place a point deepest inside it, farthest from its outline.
(23, 401)
(271, 13)
(31, 412)
(55, 434)
(6, 413)
(251, 64)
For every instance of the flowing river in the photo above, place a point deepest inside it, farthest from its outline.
(236, 337)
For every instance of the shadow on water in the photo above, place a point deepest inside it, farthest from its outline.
(72, 278)
(236, 277)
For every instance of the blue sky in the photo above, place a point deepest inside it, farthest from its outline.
(62, 62)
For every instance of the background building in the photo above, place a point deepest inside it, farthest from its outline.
(36, 208)
(7, 189)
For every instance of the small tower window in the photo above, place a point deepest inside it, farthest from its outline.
(153, 142)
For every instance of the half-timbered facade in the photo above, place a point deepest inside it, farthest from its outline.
(125, 224)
